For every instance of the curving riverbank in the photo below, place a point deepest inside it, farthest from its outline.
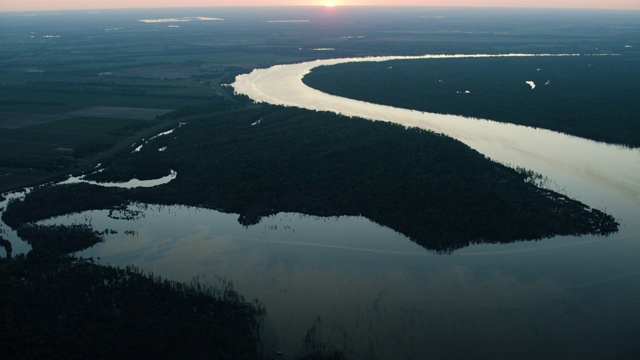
(596, 173)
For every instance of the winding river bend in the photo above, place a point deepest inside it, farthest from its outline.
(599, 174)
(580, 285)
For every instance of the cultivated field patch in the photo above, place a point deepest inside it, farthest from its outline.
(164, 71)
(16, 121)
(114, 112)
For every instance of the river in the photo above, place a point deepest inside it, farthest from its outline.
(587, 170)
(376, 295)
(581, 285)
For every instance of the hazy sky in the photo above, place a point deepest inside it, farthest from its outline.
(36, 5)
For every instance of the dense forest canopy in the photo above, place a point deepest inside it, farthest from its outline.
(259, 162)
(64, 307)
(587, 96)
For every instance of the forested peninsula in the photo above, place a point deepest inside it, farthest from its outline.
(267, 159)
(594, 97)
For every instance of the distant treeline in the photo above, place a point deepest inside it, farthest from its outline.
(595, 97)
(431, 188)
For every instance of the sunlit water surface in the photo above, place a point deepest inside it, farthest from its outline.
(377, 294)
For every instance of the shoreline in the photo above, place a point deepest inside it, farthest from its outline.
(598, 174)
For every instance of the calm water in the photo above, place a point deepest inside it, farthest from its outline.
(380, 296)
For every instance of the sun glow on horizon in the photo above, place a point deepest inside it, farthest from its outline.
(45, 5)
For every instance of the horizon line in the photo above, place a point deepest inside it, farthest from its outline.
(324, 6)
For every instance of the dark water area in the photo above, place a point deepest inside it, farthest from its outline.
(379, 295)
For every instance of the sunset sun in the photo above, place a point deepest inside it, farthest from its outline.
(330, 4)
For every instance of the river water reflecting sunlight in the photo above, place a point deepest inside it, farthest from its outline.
(381, 296)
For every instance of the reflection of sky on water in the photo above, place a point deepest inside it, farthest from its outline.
(133, 183)
(387, 294)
